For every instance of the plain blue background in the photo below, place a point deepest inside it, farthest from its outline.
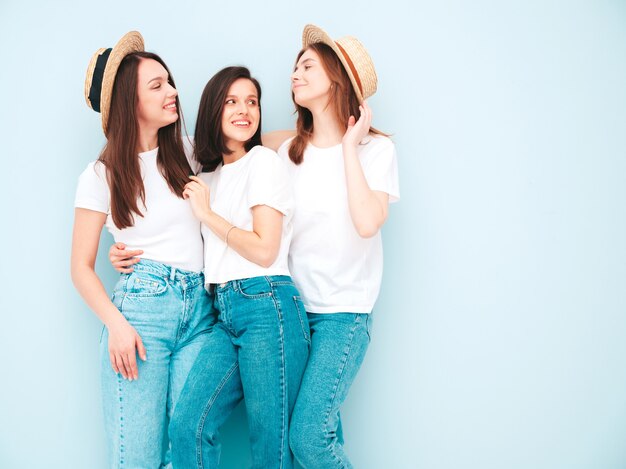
(500, 333)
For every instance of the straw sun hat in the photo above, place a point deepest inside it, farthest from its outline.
(355, 59)
(102, 70)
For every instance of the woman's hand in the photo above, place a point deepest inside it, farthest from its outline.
(122, 259)
(368, 208)
(358, 129)
(199, 196)
(123, 342)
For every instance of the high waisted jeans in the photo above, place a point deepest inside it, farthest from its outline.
(338, 345)
(171, 311)
(258, 351)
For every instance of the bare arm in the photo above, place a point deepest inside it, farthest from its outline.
(276, 138)
(261, 245)
(123, 339)
(368, 208)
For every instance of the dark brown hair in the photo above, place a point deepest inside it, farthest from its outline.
(119, 155)
(209, 137)
(343, 100)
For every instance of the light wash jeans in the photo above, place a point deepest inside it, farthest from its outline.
(258, 351)
(172, 312)
(338, 345)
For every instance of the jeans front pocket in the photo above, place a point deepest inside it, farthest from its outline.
(368, 326)
(255, 287)
(304, 320)
(117, 297)
(145, 284)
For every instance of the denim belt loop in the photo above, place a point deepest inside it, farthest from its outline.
(173, 274)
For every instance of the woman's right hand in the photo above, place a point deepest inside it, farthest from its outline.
(122, 259)
(124, 345)
(199, 196)
(357, 130)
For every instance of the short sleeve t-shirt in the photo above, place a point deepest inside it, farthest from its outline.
(258, 178)
(168, 232)
(333, 267)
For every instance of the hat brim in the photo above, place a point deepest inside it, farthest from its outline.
(313, 35)
(129, 43)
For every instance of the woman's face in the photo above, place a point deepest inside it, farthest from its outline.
(240, 118)
(309, 81)
(156, 106)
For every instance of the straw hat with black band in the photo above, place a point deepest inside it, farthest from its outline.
(102, 71)
(355, 59)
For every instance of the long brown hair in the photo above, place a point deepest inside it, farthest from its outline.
(210, 146)
(343, 100)
(119, 155)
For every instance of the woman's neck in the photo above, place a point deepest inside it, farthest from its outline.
(148, 139)
(327, 131)
(237, 154)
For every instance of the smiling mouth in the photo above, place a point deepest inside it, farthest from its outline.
(170, 106)
(241, 123)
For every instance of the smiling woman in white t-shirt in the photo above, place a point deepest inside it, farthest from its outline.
(259, 346)
(161, 310)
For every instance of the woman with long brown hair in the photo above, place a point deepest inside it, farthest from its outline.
(161, 311)
(344, 174)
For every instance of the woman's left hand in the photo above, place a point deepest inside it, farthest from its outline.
(199, 195)
(358, 129)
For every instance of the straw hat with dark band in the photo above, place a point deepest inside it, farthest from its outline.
(102, 70)
(353, 56)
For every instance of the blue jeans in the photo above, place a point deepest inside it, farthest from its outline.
(338, 345)
(258, 350)
(171, 311)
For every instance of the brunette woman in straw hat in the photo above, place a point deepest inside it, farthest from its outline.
(161, 311)
(344, 174)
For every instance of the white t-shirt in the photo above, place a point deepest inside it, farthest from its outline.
(333, 267)
(168, 232)
(258, 178)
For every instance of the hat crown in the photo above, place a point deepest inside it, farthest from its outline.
(352, 54)
(102, 70)
(364, 70)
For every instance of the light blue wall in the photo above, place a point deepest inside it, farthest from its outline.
(500, 333)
